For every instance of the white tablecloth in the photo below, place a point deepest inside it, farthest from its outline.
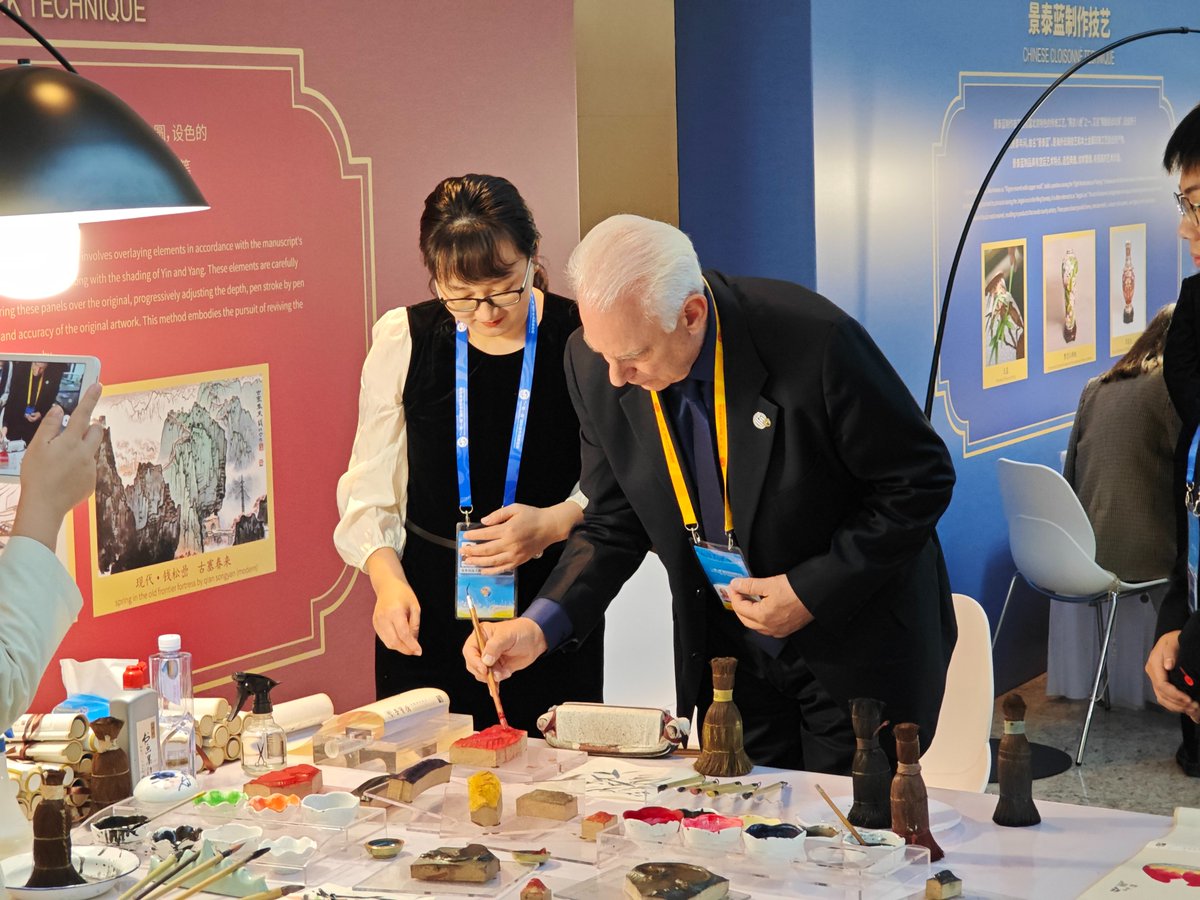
(1071, 848)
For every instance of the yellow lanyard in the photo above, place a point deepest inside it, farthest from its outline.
(30, 396)
(690, 521)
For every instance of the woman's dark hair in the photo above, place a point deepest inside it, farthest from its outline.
(1146, 353)
(465, 222)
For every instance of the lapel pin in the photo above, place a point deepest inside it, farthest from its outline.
(761, 420)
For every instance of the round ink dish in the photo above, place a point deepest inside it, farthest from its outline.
(384, 848)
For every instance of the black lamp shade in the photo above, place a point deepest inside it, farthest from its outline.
(68, 146)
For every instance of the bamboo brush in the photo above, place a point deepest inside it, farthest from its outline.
(842, 816)
(183, 873)
(186, 858)
(161, 869)
(493, 688)
(221, 873)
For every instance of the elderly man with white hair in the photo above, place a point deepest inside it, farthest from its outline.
(742, 424)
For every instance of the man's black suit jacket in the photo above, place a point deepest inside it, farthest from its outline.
(841, 491)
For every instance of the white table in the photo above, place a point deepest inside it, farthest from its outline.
(1060, 858)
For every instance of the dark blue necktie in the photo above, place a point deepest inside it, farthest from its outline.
(701, 454)
(698, 444)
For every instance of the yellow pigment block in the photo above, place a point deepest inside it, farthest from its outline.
(484, 798)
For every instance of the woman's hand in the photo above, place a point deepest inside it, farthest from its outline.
(397, 615)
(59, 470)
(517, 533)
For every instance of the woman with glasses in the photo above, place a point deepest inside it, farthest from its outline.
(464, 415)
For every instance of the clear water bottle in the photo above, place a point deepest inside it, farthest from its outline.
(171, 677)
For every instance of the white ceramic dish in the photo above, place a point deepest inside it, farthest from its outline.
(166, 787)
(780, 843)
(267, 815)
(725, 839)
(336, 809)
(101, 866)
(225, 836)
(883, 851)
(659, 832)
(290, 851)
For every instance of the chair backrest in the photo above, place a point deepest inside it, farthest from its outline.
(1029, 489)
(1050, 559)
(960, 757)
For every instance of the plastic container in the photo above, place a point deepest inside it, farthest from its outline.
(171, 678)
(137, 707)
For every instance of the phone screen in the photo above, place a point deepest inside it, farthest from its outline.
(29, 386)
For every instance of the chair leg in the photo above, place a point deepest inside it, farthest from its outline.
(1098, 606)
(1100, 668)
(1003, 609)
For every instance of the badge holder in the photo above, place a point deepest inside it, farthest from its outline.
(494, 596)
(721, 564)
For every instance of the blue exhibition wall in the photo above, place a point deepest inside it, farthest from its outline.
(745, 134)
(909, 103)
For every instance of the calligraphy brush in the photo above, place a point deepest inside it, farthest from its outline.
(854, 831)
(275, 892)
(760, 793)
(682, 782)
(179, 876)
(221, 873)
(161, 869)
(184, 862)
(493, 688)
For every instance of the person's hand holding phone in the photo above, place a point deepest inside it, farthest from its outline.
(59, 469)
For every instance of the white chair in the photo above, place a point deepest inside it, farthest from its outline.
(1054, 549)
(960, 756)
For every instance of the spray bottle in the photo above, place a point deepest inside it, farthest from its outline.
(264, 744)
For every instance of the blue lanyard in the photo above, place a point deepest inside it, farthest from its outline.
(462, 443)
(1193, 505)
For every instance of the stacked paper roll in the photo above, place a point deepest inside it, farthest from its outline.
(303, 712)
(78, 794)
(217, 744)
(27, 775)
(69, 752)
(52, 727)
(30, 778)
(235, 725)
(209, 712)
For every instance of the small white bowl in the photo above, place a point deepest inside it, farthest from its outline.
(774, 843)
(883, 850)
(712, 832)
(225, 836)
(290, 851)
(269, 816)
(654, 825)
(337, 808)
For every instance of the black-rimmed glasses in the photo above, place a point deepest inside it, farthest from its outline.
(499, 300)
(1188, 209)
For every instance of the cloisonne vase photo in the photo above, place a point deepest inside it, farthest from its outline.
(1070, 271)
(1127, 283)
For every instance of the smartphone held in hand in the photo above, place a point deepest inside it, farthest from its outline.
(30, 384)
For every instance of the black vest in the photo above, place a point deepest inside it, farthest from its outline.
(550, 462)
